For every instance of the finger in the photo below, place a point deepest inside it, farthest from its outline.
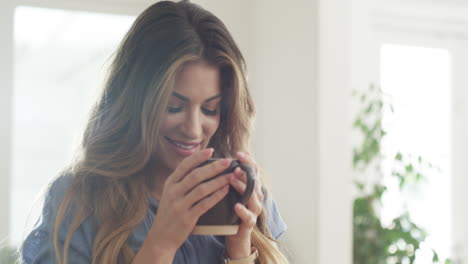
(261, 196)
(201, 174)
(255, 204)
(247, 217)
(204, 205)
(240, 186)
(189, 163)
(237, 184)
(258, 189)
(240, 174)
(245, 158)
(207, 188)
(256, 200)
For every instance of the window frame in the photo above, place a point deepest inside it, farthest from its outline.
(437, 25)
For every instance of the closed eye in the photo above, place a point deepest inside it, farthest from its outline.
(171, 109)
(210, 112)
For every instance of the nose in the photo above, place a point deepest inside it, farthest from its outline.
(192, 128)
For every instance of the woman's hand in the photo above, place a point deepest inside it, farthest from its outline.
(185, 197)
(239, 245)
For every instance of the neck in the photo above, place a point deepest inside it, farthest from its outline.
(159, 175)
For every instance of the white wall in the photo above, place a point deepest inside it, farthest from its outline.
(460, 152)
(283, 74)
(334, 156)
(300, 78)
(237, 15)
(6, 79)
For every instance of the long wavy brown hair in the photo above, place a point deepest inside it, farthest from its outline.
(120, 138)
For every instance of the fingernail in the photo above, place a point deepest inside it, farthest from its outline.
(209, 150)
(241, 154)
(226, 162)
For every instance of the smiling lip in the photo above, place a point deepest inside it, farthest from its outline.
(175, 144)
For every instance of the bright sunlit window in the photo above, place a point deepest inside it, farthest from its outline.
(418, 83)
(61, 59)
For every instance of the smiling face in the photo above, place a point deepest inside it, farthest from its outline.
(192, 115)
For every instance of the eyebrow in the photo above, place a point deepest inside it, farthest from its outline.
(183, 98)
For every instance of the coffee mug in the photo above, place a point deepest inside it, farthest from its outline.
(221, 219)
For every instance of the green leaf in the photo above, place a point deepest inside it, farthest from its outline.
(374, 243)
(357, 123)
(409, 168)
(399, 156)
(360, 185)
(402, 183)
(363, 98)
(418, 177)
(435, 257)
(369, 108)
(380, 104)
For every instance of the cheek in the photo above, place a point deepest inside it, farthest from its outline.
(212, 126)
(168, 122)
(166, 126)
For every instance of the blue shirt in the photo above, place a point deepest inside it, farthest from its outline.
(38, 246)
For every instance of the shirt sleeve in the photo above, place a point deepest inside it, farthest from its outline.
(38, 247)
(275, 222)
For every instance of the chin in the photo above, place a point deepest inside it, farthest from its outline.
(175, 163)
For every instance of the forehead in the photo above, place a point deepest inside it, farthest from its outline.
(198, 81)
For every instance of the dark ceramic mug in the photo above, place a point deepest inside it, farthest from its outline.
(221, 219)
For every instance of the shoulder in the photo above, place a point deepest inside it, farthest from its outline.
(57, 189)
(275, 222)
(53, 197)
(38, 245)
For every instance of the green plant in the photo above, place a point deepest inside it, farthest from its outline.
(374, 242)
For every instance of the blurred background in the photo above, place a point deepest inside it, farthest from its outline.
(362, 116)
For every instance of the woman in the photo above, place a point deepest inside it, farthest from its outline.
(176, 95)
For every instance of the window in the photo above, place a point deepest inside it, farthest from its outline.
(417, 80)
(61, 58)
